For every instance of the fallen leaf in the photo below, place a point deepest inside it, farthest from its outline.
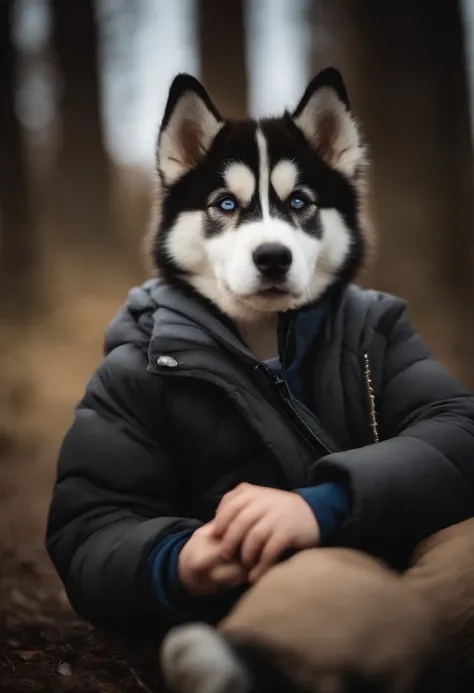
(64, 669)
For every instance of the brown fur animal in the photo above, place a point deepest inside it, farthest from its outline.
(327, 620)
(335, 620)
(442, 574)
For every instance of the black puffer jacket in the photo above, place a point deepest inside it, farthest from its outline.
(179, 412)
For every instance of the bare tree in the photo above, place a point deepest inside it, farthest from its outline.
(405, 66)
(222, 51)
(18, 247)
(83, 164)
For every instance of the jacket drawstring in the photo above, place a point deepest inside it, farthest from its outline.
(374, 427)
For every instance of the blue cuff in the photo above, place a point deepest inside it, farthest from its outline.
(330, 505)
(169, 592)
(163, 564)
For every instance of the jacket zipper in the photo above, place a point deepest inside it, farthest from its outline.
(311, 440)
(374, 427)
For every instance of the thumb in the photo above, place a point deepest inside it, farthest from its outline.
(229, 574)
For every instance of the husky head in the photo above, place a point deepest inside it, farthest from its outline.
(259, 216)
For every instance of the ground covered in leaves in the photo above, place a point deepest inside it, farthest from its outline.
(44, 646)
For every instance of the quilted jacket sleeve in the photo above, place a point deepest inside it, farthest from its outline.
(115, 497)
(420, 477)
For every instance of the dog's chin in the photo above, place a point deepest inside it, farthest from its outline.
(269, 300)
(251, 306)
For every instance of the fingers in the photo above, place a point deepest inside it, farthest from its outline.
(254, 543)
(229, 507)
(229, 575)
(203, 551)
(238, 529)
(275, 546)
(237, 491)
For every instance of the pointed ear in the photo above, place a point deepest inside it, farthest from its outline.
(323, 115)
(190, 124)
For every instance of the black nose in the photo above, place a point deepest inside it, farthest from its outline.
(273, 260)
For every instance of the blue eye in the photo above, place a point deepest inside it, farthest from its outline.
(297, 202)
(228, 204)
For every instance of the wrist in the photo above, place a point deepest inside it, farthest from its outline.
(330, 504)
(184, 583)
(164, 573)
(313, 534)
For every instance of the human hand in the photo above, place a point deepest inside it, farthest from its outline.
(263, 522)
(203, 570)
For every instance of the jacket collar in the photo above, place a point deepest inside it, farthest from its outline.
(183, 320)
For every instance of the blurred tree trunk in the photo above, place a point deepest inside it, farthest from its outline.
(84, 176)
(325, 48)
(19, 286)
(18, 249)
(405, 66)
(222, 52)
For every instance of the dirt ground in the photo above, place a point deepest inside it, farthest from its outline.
(44, 646)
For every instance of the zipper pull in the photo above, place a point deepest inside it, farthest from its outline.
(275, 381)
(283, 388)
(264, 371)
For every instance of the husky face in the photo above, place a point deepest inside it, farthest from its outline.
(259, 216)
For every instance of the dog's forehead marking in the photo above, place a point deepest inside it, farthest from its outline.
(240, 180)
(264, 173)
(284, 178)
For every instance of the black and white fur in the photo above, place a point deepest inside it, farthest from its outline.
(264, 257)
